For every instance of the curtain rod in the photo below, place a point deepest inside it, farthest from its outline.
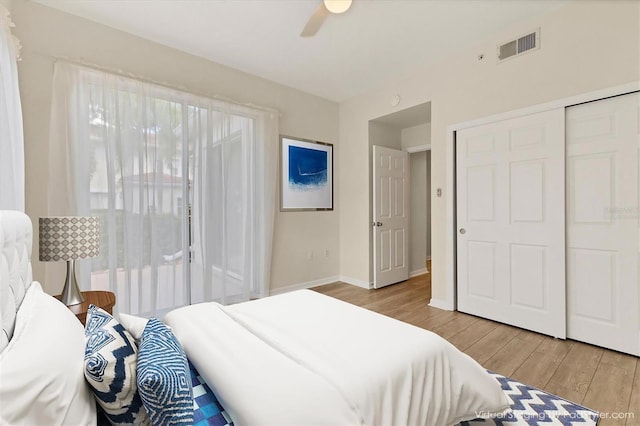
(145, 79)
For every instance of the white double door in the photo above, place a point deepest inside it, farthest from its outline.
(525, 183)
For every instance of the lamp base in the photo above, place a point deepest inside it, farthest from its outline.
(71, 294)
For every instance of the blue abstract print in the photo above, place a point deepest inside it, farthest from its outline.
(307, 168)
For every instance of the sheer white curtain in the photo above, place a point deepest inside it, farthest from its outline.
(234, 158)
(11, 136)
(185, 187)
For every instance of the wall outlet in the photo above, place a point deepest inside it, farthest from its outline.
(309, 255)
(326, 253)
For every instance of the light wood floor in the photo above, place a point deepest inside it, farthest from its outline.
(597, 378)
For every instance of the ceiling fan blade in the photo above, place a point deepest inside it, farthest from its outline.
(315, 22)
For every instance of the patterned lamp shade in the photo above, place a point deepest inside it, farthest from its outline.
(69, 237)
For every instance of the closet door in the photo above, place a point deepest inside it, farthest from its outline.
(511, 218)
(603, 145)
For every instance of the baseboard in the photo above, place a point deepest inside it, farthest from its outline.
(308, 284)
(440, 304)
(418, 272)
(356, 282)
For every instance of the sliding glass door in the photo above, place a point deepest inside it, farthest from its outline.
(184, 185)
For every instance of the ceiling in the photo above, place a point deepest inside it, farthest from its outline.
(373, 44)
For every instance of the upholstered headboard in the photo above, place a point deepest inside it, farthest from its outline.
(15, 268)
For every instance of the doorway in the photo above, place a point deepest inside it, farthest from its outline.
(408, 131)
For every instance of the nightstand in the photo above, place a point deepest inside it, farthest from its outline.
(102, 299)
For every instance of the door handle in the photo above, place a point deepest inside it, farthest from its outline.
(376, 223)
(463, 231)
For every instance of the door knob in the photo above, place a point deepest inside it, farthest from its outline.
(463, 231)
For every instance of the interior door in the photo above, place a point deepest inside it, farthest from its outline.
(390, 216)
(510, 219)
(603, 145)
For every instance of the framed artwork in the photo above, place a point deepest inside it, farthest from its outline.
(306, 175)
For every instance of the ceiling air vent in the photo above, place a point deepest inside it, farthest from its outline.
(520, 45)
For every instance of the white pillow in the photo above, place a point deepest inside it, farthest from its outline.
(134, 325)
(42, 368)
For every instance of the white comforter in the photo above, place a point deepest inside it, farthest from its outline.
(303, 358)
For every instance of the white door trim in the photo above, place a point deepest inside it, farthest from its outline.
(449, 302)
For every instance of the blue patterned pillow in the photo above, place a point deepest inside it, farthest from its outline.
(110, 368)
(164, 382)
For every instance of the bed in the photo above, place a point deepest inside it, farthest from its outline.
(300, 358)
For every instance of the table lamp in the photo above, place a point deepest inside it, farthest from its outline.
(69, 238)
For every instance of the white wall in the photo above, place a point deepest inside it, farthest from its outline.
(428, 154)
(416, 135)
(420, 244)
(47, 33)
(418, 214)
(383, 135)
(585, 46)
